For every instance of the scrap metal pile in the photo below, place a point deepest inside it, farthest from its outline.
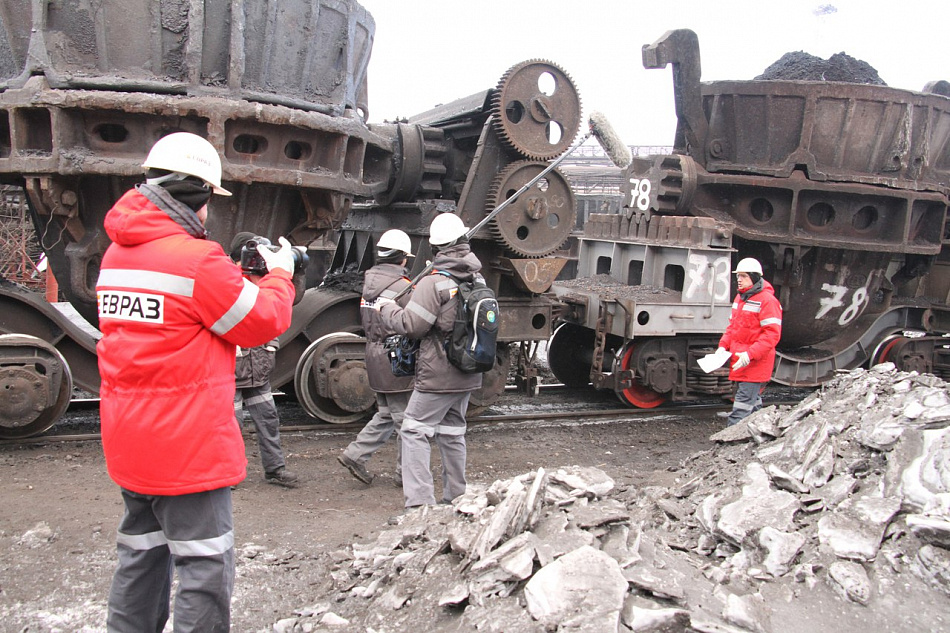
(839, 502)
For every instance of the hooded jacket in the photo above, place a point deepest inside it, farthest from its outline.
(430, 317)
(755, 326)
(172, 308)
(382, 280)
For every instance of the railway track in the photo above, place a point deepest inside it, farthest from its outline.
(556, 405)
(354, 427)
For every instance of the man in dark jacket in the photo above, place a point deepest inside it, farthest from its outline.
(441, 394)
(253, 392)
(754, 330)
(172, 308)
(386, 279)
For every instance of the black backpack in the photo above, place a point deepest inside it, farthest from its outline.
(471, 345)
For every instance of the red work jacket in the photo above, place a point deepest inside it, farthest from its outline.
(755, 326)
(172, 309)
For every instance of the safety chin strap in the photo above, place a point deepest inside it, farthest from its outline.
(172, 175)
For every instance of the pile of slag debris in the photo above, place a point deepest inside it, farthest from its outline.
(801, 66)
(834, 513)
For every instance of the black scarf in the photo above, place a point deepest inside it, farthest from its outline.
(183, 215)
(755, 289)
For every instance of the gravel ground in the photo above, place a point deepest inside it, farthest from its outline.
(60, 510)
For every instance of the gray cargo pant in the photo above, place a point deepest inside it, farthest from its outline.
(441, 415)
(748, 400)
(259, 403)
(192, 533)
(390, 411)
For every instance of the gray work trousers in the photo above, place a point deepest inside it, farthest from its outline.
(192, 533)
(748, 400)
(259, 403)
(439, 415)
(390, 411)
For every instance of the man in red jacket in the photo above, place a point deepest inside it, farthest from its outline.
(755, 328)
(172, 309)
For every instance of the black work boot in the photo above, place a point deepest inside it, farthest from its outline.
(281, 477)
(356, 469)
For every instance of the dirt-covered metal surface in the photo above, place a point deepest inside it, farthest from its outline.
(608, 287)
(310, 55)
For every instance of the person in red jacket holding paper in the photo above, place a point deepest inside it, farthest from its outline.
(755, 328)
(172, 309)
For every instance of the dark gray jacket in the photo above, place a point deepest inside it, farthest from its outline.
(382, 280)
(254, 365)
(430, 315)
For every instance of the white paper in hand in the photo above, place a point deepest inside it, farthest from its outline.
(712, 362)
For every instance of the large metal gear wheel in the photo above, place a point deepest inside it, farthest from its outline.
(541, 219)
(537, 109)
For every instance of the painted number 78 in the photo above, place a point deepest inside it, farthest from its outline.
(838, 300)
(640, 193)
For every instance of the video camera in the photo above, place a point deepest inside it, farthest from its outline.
(253, 264)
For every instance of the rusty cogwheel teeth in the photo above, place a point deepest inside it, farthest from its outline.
(537, 110)
(541, 219)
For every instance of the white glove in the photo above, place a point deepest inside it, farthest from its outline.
(284, 258)
(742, 360)
(721, 350)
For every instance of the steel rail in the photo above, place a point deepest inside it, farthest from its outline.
(620, 414)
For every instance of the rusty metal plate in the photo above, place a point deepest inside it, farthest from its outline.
(535, 275)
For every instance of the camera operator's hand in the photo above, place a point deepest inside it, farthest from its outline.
(380, 302)
(284, 258)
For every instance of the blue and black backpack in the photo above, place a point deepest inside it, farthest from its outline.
(472, 343)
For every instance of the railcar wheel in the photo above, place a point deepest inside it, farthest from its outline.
(36, 385)
(884, 349)
(637, 395)
(901, 350)
(330, 379)
(570, 351)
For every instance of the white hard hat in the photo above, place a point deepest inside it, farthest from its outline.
(748, 265)
(394, 240)
(446, 228)
(187, 153)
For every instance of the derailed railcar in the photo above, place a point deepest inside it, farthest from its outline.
(280, 89)
(839, 189)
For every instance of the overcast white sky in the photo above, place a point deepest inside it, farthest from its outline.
(428, 52)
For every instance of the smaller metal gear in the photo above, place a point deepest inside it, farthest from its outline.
(537, 109)
(541, 219)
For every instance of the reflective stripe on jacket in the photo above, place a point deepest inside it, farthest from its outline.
(382, 280)
(755, 326)
(172, 308)
(430, 316)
